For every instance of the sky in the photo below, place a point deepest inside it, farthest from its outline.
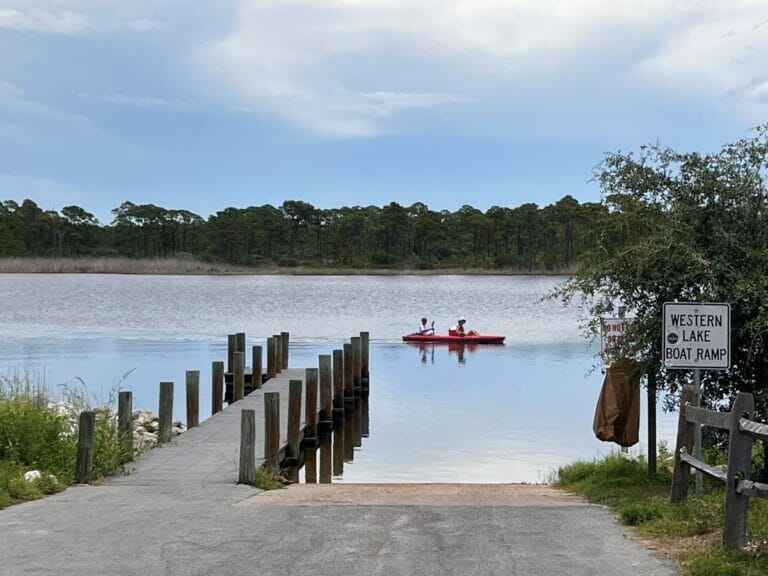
(207, 104)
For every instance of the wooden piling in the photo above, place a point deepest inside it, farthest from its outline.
(338, 447)
(325, 458)
(364, 360)
(294, 418)
(125, 423)
(348, 384)
(284, 347)
(85, 443)
(256, 367)
(326, 400)
(238, 377)
(355, 340)
(247, 447)
(217, 387)
(338, 383)
(310, 465)
(193, 398)
(271, 358)
(231, 349)
(165, 414)
(272, 430)
(365, 418)
(310, 410)
(357, 424)
(278, 353)
(651, 412)
(681, 474)
(240, 342)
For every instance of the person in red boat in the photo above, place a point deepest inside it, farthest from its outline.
(424, 329)
(459, 329)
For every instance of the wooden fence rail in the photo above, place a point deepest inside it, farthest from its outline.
(738, 487)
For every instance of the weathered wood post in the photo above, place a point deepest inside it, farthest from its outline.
(325, 458)
(125, 423)
(681, 474)
(193, 398)
(338, 384)
(271, 367)
(326, 400)
(355, 340)
(310, 465)
(739, 468)
(364, 359)
(349, 389)
(278, 353)
(256, 367)
(310, 407)
(349, 449)
(272, 430)
(231, 349)
(217, 387)
(165, 414)
(357, 424)
(294, 418)
(238, 378)
(338, 446)
(284, 346)
(247, 447)
(85, 440)
(240, 342)
(365, 417)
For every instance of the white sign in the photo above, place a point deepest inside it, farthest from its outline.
(611, 332)
(697, 335)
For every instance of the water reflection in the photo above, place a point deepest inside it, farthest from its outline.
(458, 349)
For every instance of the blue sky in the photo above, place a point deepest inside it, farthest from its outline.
(203, 104)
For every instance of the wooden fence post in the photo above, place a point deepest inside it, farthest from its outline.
(165, 415)
(125, 423)
(739, 468)
(247, 447)
(231, 349)
(681, 473)
(651, 422)
(294, 418)
(217, 387)
(272, 430)
(193, 398)
(256, 367)
(238, 377)
(326, 400)
(278, 353)
(85, 440)
(310, 406)
(284, 346)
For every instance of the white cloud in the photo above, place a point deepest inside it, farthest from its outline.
(44, 21)
(133, 101)
(320, 65)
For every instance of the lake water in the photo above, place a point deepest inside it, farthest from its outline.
(511, 413)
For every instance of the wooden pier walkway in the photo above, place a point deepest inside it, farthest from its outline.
(209, 453)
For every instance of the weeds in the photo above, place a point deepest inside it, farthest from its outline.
(690, 530)
(267, 479)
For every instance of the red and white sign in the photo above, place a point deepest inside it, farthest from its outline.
(611, 333)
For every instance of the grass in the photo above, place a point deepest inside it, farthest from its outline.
(34, 436)
(267, 479)
(690, 531)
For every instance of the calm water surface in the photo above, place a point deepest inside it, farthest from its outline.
(509, 413)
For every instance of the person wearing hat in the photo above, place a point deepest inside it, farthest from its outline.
(458, 330)
(424, 329)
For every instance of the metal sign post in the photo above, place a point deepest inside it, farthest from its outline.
(697, 336)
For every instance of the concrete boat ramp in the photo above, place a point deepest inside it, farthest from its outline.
(180, 513)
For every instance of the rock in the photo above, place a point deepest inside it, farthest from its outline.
(32, 475)
(53, 479)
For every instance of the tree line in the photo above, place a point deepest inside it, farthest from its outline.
(296, 233)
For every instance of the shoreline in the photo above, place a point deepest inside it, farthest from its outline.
(184, 267)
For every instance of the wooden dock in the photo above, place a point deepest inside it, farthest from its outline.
(210, 452)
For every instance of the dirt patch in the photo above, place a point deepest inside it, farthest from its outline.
(416, 495)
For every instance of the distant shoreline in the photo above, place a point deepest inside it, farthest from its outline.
(176, 267)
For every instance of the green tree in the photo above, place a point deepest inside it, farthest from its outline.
(686, 227)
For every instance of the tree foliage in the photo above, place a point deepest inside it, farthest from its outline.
(685, 227)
